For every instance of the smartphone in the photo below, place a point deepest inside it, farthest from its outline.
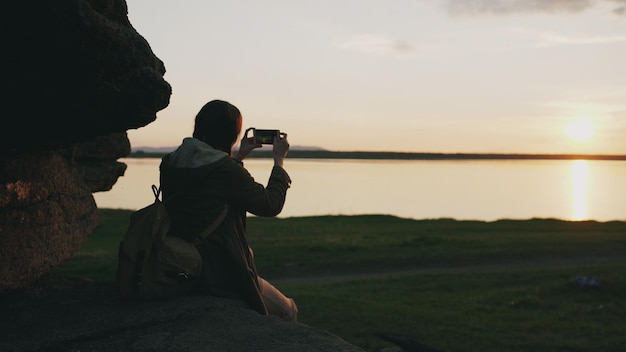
(265, 136)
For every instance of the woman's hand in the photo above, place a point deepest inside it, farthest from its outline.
(247, 145)
(281, 148)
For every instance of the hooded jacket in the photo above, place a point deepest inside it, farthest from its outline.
(197, 181)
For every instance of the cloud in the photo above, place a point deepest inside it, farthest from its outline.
(510, 7)
(621, 9)
(506, 7)
(379, 45)
(545, 39)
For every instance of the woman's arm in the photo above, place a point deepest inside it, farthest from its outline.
(252, 196)
(247, 194)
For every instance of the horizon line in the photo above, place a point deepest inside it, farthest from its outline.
(374, 155)
(314, 149)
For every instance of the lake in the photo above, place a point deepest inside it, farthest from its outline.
(423, 189)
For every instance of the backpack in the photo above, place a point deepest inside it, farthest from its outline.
(152, 265)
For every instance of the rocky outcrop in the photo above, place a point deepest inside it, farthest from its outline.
(86, 316)
(97, 160)
(76, 69)
(46, 214)
(77, 77)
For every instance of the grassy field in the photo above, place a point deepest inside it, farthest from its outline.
(453, 285)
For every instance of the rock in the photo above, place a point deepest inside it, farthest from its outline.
(97, 160)
(77, 77)
(46, 213)
(77, 69)
(76, 315)
(406, 343)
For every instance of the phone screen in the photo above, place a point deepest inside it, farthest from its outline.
(265, 136)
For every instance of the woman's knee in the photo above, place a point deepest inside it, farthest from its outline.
(277, 303)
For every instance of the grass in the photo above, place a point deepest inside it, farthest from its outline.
(97, 257)
(453, 285)
(527, 310)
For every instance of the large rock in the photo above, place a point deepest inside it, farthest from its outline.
(77, 77)
(46, 213)
(86, 317)
(76, 69)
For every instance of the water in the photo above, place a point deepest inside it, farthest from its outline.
(420, 189)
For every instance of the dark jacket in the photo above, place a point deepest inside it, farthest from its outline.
(197, 181)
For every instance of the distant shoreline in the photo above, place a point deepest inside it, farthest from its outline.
(323, 154)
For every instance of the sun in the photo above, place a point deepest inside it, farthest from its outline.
(580, 130)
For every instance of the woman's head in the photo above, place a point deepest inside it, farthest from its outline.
(218, 124)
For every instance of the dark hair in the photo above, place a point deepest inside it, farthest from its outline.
(218, 124)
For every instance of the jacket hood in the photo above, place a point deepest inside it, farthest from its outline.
(194, 153)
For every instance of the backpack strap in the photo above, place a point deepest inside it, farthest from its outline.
(157, 191)
(204, 234)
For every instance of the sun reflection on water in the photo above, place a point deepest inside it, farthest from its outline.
(580, 189)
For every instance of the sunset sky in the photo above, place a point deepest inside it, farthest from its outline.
(493, 76)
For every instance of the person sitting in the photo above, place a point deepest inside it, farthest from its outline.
(199, 179)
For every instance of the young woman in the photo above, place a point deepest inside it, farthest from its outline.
(199, 179)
